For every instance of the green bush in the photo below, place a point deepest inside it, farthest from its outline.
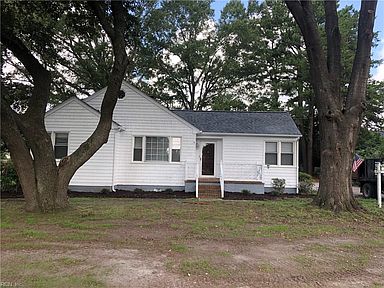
(278, 186)
(246, 192)
(306, 183)
(305, 177)
(168, 190)
(105, 191)
(9, 179)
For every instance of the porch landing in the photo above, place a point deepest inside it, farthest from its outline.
(210, 187)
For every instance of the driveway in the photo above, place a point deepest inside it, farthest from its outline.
(356, 190)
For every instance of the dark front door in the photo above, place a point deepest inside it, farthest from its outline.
(208, 160)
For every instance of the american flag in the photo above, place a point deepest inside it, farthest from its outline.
(357, 160)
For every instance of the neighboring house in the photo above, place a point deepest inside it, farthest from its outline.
(153, 148)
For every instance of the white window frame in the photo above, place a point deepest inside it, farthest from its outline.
(144, 149)
(53, 140)
(294, 143)
(277, 152)
(171, 148)
(293, 154)
(157, 161)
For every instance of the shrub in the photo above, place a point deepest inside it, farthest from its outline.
(9, 179)
(305, 183)
(246, 192)
(168, 190)
(105, 191)
(138, 190)
(278, 186)
(305, 177)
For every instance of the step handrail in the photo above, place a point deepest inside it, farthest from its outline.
(197, 180)
(221, 179)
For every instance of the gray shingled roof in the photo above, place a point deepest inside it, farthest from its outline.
(265, 123)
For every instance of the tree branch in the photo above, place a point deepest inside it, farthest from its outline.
(303, 13)
(333, 47)
(71, 163)
(99, 9)
(41, 76)
(359, 77)
(333, 39)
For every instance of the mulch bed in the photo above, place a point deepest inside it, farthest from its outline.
(267, 196)
(11, 194)
(134, 194)
(165, 195)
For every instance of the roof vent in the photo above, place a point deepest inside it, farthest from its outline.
(121, 94)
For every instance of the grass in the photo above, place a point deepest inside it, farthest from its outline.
(46, 273)
(224, 253)
(304, 260)
(178, 247)
(179, 229)
(266, 267)
(66, 281)
(36, 234)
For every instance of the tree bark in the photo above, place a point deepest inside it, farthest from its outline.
(309, 147)
(337, 150)
(20, 155)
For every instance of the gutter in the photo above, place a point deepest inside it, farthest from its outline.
(297, 136)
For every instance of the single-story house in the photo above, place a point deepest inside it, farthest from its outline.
(153, 148)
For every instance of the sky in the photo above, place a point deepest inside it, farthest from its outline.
(378, 52)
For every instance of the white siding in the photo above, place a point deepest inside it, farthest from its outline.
(80, 123)
(141, 117)
(289, 173)
(241, 153)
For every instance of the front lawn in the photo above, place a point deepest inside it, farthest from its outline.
(188, 243)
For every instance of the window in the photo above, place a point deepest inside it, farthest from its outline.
(157, 149)
(61, 145)
(279, 153)
(286, 153)
(176, 145)
(138, 149)
(271, 153)
(151, 148)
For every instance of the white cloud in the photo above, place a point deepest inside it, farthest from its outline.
(379, 73)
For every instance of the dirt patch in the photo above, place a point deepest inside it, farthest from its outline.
(293, 264)
(130, 268)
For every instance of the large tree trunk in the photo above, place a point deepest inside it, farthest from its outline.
(337, 150)
(339, 115)
(309, 148)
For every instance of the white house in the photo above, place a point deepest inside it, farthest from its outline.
(153, 148)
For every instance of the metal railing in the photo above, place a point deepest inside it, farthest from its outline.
(222, 179)
(227, 171)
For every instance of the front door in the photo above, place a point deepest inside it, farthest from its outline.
(208, 159)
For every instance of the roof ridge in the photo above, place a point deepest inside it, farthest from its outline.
(226, 111)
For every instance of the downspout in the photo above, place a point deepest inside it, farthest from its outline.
(114, 158)
(297, 166)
